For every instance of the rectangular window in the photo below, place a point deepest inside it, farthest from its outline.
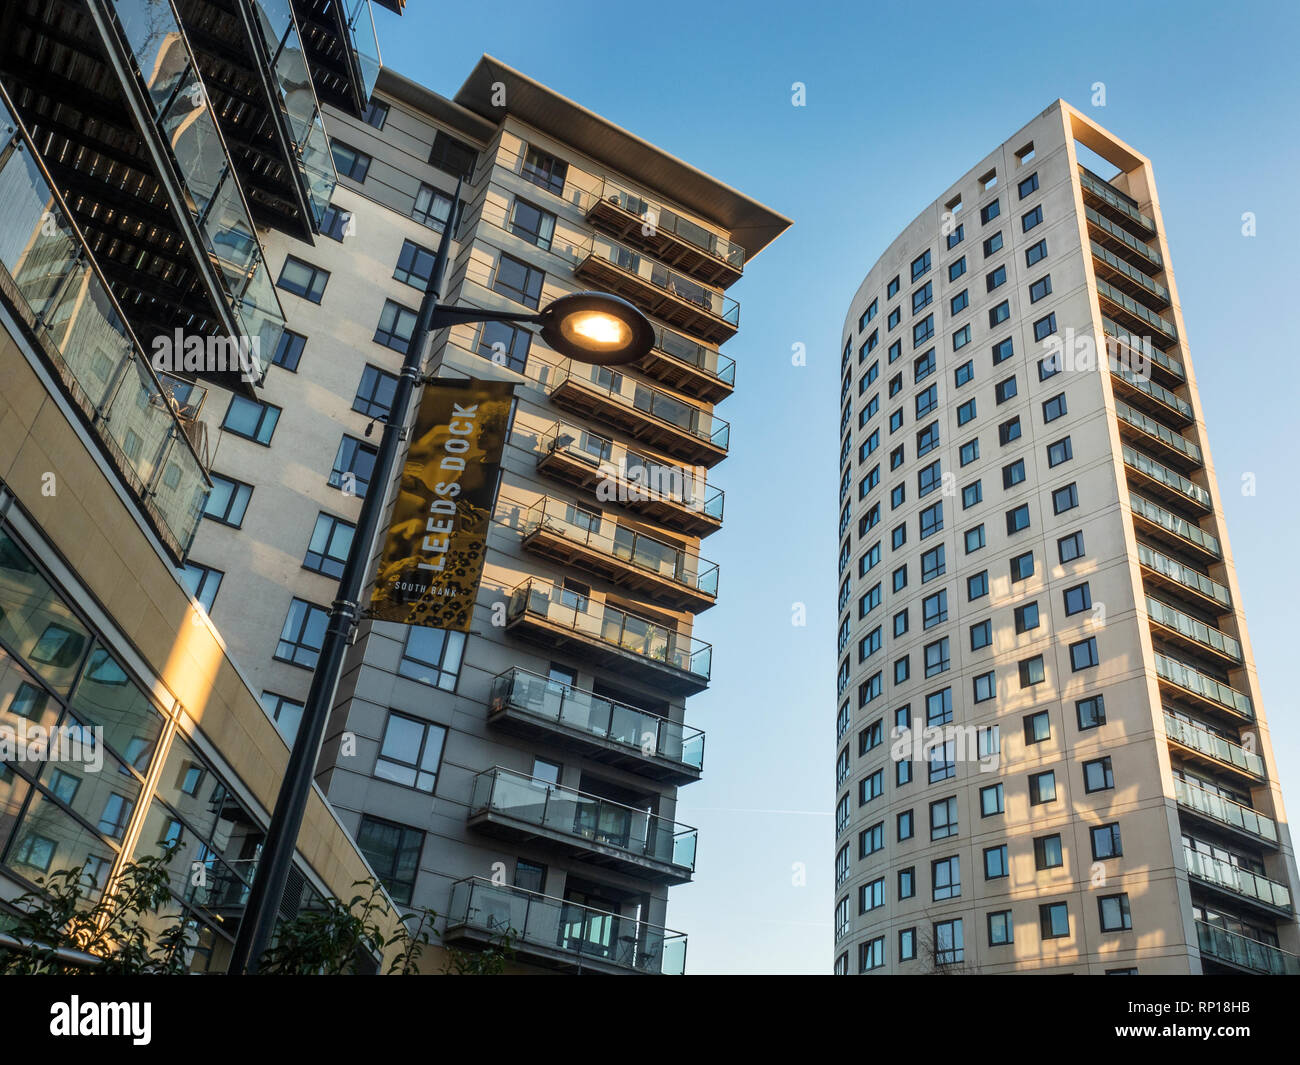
(995, 278)
(202, 582)
(1077, 599)
(1106, 841)
(374, 396)
(981, 635)
(393, 852)
(1008, 431)
(302, 634)
(303, 279)
(1059, 451)
(995, 862)
(327, 550)
(335, 223)
(1028, 185)
(453, 156)
(977, 585)
(1035, 253)
(1041, 288)
(410, 752)
(431, 208)
(353, 465)
(922, 297)
(1054, 920)
(955, 270)
(376, 114)
(999, 314)
(966, 412)
(991, 800)
(1048, 853)
(1114, 913)
(1091, 712)
(1004, 390)
(1083, 655)
(1045, 327)
(1042, 788)
(432, 656)
(949, 945)
(228, 501)
(414, 265)
(349, 162)
(993, 245)
(1038, 727)
(961, 338)
(396, 324)
(1030, 219)
(1001, 928)
(1066, 498)
(518, 281)
(250, 419)
(1097, 775)
(1022, 567)
(959, 302)
(1003, 350)
(531, 223)
(943, 818)
(544, 170)
(920, 265)
(990, 211)
(288, 350)
(945, 877)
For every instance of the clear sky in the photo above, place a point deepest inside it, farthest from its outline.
(902, 98)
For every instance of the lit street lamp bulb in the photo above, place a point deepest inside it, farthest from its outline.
(598, 329)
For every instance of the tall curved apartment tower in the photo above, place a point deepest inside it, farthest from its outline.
(1052, 753)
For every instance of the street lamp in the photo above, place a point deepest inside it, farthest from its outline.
(592, 327)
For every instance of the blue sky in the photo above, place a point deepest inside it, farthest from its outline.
(902, 99)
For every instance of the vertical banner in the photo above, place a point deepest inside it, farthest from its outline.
(432, 561)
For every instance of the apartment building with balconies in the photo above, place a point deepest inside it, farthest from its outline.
(143, 147)
(1052, 751)
(522, 776)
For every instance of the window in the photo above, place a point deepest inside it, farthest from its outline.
(961, 338)
(1018, 519)
(431, 208)
(1064, 499)
(288, 350)
(1035, 253)
(518, 281)
(335, 223)
(934, 609)
(285, 712)
(534, 225)
(1083, 655)
(1013, 473)
(1077, 599)
(920, 265)
(1059, 451)
(971, 495)
(410, 752)
(936, 657)
(995, 278)
(1097, 775)
(414, 265)
(900, 623)
(891, 290)
(938, 707)
(926, 401)
(327, 550)
(906, 827)
(871, 954)
(923, 330)
(974, 539)
(984, 687)
(868, 315)
(1022, 567)
(1048, 853)
(1029, 220)
(1114, 913)
(353, 465)
(1003, 350)
(544, 170)
(897, 495)
(1042, 788)
(250, 419)
(907, 882)
(970, 451)
(302, 634)
(1045, 327)
(1040, 289)
(1004, 390)
(966, 412)
(927, 439)
(871, 896)
(432, 656)
(453, 156)
(932, 564)
(1008, 431)
(956, 236)
(995, 862)
(943, 761)
(977, 585)
(949, 945)
(981, 635)
(1091, 712)
(349, 161)
(1068, 548)
(991, 800)
(943, 818)
(993, 245)
(228, 501)
(895, 316)
(923, 297)
(1106, 841)
(1054, 920)
(393, 852)
(396, 324)
(1001, 929)
(871, 787)
(955, 270)
(1028, 185)
(303, 279)
(990, 211)
(963, 373)
(376, 114)
(945, 878)
(202, 582)
(374, 396)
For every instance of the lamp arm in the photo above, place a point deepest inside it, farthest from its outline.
(448, 316)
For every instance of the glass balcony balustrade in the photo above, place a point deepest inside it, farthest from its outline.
(1243, 952)
(1198, 683)
(1169, 401)
(1187, 451)
(1114, 199)
(69, 305)
(1237, 880)
(1142, 349)
(1149, 258)
(1214, 746)
(556, 930)
(1224, 810)
(1192, 629)
(585, 820)
(1184, 576)
(1164, 476)
(1175, 525)
(1138, 310)
(640, 734)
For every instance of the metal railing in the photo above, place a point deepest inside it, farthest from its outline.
(613, 627)
(1242, 951)
(1184, 676)
(53, 273)
(1193, 629)
(1153, 428)
(1137, 309)
(1137, 276)
(585, 933)
(1148, 387)
(1170, 522)
(636, 549)
(1236, 879)
(638, 264)
(1123, 236)
(1171, 479)
(1144, 345)
(1224, 810)
(1102, 188)
(604, 719)
(587, 818)
(652, 402)
(1184, 575)
(1213, 745)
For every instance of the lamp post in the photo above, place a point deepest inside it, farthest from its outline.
(590, 327)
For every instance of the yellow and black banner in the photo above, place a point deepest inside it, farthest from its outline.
(432, 561)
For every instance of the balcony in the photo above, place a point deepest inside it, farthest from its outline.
(1139, 348)
(113, 96)
(256, 70)
(1184, 629)
(1236, 881)
(647, 414)
(689, 366)
(1169, 483)
(1113, 203)
(1242, 952)
(1183, 580)
(638, 648)
(61, 299)
(1119, 240)
(1178, 532)
(664, 573)
(1173, 446)
(606, 731)
(1206, 746)
(1154, 398)
(1224, 812)
(1119, 274)
(669, 296)
(664, 233)
(1196, 687)
(342, 49)
(556, 933)
(677, 498)
(1123, 306)
(517, 807)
